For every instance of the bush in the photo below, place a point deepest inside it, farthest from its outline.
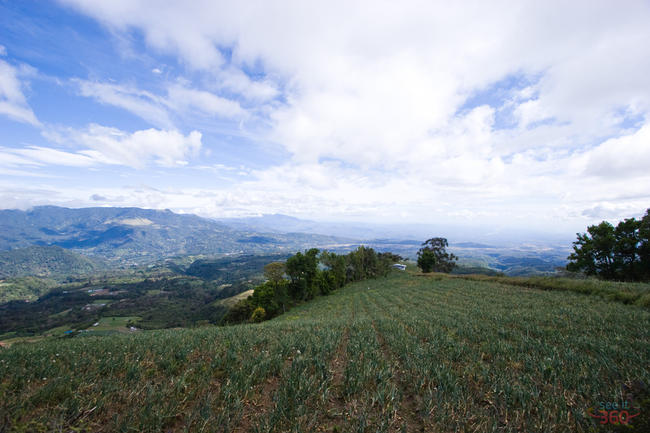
(258, 315)
(265, 296)
(238, 313)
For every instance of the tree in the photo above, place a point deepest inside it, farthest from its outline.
(274, 272)
(363, 263)
(626, 249)
(433, 256)
(594, 251)
(644, 247)
(265, 296)
(240, 312)
(426, 260)
(614, 253)
(337, 268)
(302, 269)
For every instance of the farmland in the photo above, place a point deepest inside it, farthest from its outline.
(402, 353)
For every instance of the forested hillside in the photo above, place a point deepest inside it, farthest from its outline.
(42, 261)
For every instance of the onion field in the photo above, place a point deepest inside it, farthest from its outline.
(406, 353)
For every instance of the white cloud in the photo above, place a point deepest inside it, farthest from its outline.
(164, 148)
(623, 157)
(38, 155)
(181, 99)
(237, 81)
(405, 67)
(159, 109)
(143, 104)
(12, 100)
(372, 98)
(98, 145)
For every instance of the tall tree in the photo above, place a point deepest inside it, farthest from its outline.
(614, 253)
(274, 272)
(644, 247)
(433, 256)
(302, 270)
(337, 267)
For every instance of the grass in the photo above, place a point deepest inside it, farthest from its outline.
(58, 331)
(62, 313)
(119, 324)
(404, 353)
(625, 292)
(229, 302)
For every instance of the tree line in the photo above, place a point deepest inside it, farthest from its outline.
(306, 275)
(614, 253)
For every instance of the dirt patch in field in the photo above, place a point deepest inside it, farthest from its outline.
(261, 403)
(256, 408)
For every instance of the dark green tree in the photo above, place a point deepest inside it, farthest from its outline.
(593, 252)
(274, 272)
(302, 270)
(433, 256)
(336, 268)
(426, 260)
(362, 263)
(240, 312)
(614, 253)
(644, 247)
(265, 296)
(626, 249)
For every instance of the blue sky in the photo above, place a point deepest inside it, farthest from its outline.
(530, 115)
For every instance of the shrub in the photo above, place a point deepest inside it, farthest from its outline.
(240, 312)
(258, 315)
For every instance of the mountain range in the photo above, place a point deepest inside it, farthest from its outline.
(125, 237)
(138, 236)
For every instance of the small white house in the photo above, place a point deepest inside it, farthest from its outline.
(399, 266)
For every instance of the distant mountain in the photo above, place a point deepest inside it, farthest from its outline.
(465, 236)
(470, 245)
(278, 223)
(44, 262)
(136, 235)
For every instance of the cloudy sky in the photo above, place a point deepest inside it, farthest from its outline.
(527, 114)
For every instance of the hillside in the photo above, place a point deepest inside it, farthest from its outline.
(158, 296)
(402, 353)
(133, 235)
(44, 262)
